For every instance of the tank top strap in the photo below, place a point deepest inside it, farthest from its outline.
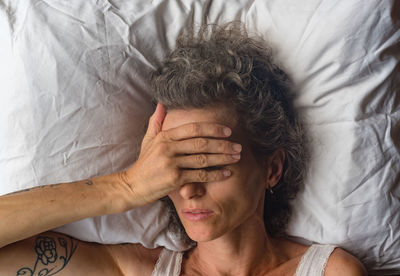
(168, 263)
(313, 262)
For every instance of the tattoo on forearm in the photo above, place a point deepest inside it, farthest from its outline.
(89, 182)
(53, 254)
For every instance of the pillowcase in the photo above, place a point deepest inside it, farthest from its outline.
(344, 60)
(77, 98)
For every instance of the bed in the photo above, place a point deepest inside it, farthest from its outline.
(75, 101)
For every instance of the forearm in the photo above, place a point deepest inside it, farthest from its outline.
(27, 213)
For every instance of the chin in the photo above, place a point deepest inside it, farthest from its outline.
(201, 237)
(202, 234)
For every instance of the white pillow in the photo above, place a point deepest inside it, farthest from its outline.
(344, 59)
(74, 105)
(77, 99)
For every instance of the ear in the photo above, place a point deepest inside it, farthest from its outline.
(275, 167)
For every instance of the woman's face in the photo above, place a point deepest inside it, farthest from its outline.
(210, 210)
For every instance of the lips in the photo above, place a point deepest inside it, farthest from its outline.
(197, 214)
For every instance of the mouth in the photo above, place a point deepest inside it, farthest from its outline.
(197, 214)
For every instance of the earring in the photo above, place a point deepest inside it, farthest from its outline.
(270, 190)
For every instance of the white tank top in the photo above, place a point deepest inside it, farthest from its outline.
(312, 263)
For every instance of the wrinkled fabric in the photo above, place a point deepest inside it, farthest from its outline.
(76, 98)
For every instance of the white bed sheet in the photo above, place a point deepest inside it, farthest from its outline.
(75, 99)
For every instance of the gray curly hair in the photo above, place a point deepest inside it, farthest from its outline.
(223, 65)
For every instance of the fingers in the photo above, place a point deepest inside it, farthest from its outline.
(204, 145)
(156, 121)
(198, 129)
(206, 160)
(202, 176)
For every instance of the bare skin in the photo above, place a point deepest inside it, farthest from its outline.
(233, 241)
(161, 168)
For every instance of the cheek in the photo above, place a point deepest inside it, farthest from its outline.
(241, 195)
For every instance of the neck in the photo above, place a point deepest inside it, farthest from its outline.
(246, 250)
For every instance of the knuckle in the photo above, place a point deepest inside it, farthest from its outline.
(227, 146)
(162, 148)
(201, 160)
(222, 146)
(200, 143)
(228, 158)
(202, 176)
(194, 129)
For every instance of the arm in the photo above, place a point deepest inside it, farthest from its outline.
(168, 159)
(26, 213)
(56, 254)
(46, 252)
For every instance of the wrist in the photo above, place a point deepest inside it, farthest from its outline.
(131, 183)
(115, 194)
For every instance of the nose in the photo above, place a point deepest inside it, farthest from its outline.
(192, 190)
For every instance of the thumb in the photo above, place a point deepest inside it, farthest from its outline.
(156, 121)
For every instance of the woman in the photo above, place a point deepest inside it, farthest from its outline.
(230, 197)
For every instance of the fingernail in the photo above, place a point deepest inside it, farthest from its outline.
(227, 131)
(226, 172)
(237, 147)
(236, 156)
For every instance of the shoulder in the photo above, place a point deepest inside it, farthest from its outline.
(343, 263)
